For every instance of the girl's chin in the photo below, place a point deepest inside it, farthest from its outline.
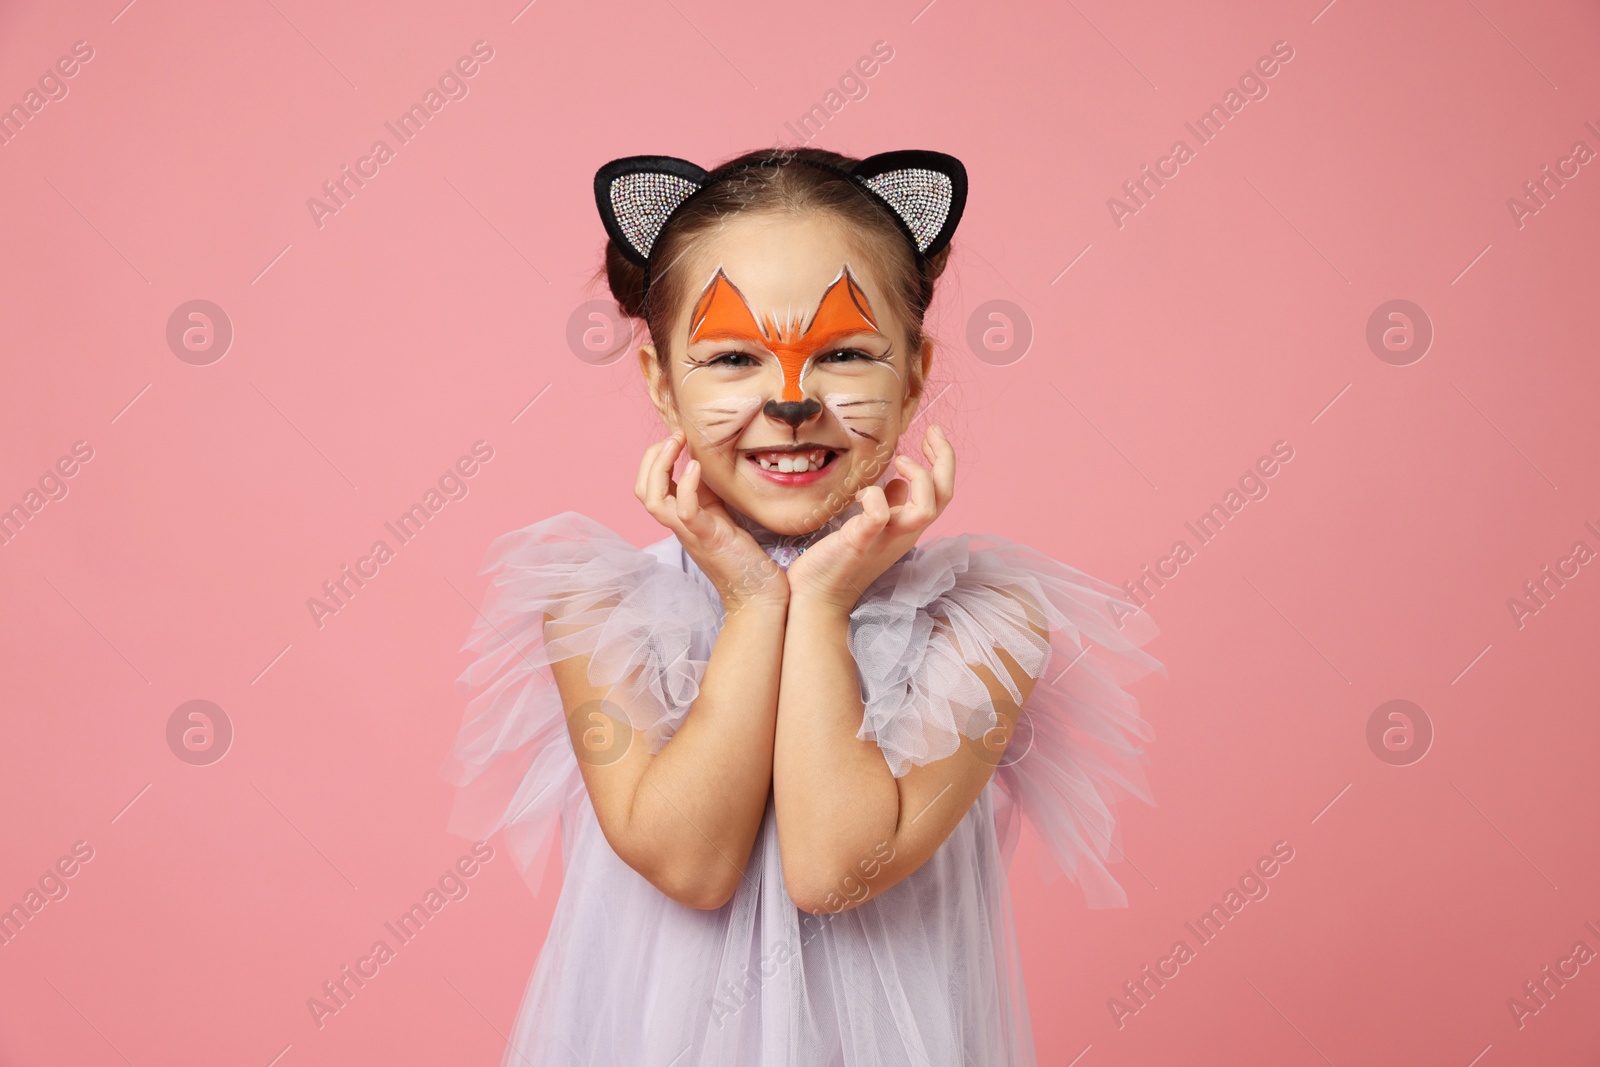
(790, 512)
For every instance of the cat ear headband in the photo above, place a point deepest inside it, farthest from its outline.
(925, 193)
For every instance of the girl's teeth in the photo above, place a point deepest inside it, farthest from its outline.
(792, 463)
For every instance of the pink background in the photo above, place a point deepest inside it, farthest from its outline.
(1228, 314)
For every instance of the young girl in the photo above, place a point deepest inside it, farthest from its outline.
(788, 744)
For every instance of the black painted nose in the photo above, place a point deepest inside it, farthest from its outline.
(794, 412)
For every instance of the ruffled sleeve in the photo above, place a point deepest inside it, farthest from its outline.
(647, 629)
(1076, 748)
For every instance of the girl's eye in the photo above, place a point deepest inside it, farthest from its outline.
(731, 359)
(845, 355)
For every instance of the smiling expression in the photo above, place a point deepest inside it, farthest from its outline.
(789, 412)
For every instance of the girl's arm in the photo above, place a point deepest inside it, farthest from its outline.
(847, 828)
(686, 817)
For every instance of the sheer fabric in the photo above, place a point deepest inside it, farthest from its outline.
(924, 974)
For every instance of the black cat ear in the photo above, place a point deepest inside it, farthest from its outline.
(636, 194)
(926, 190)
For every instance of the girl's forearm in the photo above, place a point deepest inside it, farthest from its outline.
(698, 806)
(837, 803)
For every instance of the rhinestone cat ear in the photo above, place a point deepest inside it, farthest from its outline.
(926, 190)
(635, 196)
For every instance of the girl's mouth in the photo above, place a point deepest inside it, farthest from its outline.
(793, 468)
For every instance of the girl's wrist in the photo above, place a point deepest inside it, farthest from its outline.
(808, 607)
(773, 603)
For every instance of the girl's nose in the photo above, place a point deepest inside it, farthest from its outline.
(794, 412)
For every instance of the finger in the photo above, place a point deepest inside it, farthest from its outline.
(922, 506)
(660, 482)
(919, 508)
(641, 481)
(897, 492)
(944, 465)
(707, 496)
(874, 509)
(687, 498)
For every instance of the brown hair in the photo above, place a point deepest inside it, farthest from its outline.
(760, 182)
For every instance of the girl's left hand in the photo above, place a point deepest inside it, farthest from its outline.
(837, 569)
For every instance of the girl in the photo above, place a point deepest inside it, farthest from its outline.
(787, 744)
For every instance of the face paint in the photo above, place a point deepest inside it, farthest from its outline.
(724, 419)
(787, 364)
(863, 414)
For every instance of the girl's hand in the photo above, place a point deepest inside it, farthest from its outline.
(836, 570)
(737, 566)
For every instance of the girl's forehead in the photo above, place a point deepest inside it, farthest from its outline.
(782, 266)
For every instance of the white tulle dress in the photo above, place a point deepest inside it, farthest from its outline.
(926, 973)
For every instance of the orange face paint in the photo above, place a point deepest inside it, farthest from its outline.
(722, 314)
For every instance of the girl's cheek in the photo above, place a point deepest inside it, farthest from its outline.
(863, 415)
(723, 419)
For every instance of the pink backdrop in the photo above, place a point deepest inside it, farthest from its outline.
(1175, 341)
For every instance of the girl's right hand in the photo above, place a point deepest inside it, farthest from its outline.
(737, 566)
